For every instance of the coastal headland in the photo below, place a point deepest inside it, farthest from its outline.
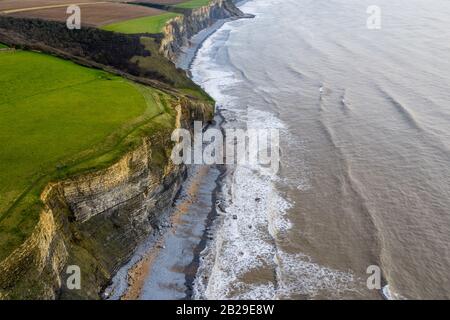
(86, 121)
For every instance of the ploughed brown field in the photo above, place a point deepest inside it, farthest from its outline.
(93, 12)
(6, 5)
(24, 4)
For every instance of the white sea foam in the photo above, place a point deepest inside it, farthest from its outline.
(389, 294)
(298, 275)
(256, 217)
(243, 241)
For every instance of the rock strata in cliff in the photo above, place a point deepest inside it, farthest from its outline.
(96, 220)
(179, 30)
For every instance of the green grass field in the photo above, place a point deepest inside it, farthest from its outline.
(58, 119)
(3, 46)
(192, 4)
(153, 24)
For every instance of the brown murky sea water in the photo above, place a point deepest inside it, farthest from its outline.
(364, 117)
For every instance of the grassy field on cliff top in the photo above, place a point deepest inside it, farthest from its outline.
(153, 24)
(192, 4)
(58, 119)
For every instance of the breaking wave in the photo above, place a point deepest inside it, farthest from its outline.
(245, 260)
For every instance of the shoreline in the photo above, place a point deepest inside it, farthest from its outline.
(137, 270)
(141, 270)
(188, 53)
(216, 200)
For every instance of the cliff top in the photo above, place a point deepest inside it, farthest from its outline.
(109, 14)
(58, 118)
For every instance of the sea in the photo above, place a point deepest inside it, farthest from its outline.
(360, 95)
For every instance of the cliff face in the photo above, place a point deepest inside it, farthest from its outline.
(179, 30)
(96, 220)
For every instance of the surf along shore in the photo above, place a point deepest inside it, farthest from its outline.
(167, 268)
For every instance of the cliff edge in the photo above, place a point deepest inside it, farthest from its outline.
(95, 219)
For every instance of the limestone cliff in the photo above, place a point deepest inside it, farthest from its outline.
(97, 219)
(179, 30)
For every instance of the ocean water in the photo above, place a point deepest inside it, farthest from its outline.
(364, 120)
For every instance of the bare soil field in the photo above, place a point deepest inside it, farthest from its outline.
(93, 13)
(6, 5)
